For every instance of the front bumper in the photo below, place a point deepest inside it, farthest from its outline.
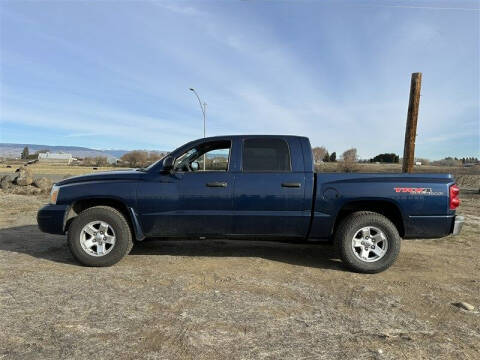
(457, 225)
(51, 218)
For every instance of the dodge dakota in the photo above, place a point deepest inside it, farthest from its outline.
(250, 187)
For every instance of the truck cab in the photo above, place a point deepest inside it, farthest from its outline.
(242, 186)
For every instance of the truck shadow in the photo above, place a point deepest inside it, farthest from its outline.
(31, 241)
(318, 255)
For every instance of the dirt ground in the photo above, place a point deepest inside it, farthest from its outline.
(234, 300)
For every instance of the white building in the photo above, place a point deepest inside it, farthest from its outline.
(55, 158)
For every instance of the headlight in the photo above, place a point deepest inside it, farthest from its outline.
(54, 194)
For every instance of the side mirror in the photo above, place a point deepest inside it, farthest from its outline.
(168, 164)
(195, 166)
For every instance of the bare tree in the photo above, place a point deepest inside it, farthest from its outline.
(154, 156)
(95, 161)
(319, 153)
(349, 163)
(101, 161)
(135, 158)
(141, 158)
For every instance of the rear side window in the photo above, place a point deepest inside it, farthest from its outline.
(265, 154)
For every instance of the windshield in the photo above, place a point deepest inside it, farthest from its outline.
(152, 164)
(185, 158)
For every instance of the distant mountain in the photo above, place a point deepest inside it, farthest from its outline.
(15, 150)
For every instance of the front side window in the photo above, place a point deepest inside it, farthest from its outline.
(267, 155)
(210, 156)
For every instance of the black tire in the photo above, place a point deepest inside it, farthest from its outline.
(123, 236)
(347, 230)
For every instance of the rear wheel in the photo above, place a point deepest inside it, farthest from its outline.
(100, 236)
(367, 242)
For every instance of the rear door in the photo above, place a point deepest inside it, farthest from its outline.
(269, 195)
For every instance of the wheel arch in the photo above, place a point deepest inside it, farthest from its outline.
(384, 207)
(81, 205)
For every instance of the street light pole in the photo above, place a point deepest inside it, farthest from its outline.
(203, 107)
(204, 118)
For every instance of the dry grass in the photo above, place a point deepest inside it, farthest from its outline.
(397, 168)
(48, 169)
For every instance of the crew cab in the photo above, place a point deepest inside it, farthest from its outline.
(250, 187)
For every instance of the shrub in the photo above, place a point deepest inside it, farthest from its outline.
(319, 153)
(95, 161)
(141, 158)
(349, 161)
(386, 158)
(448, 161)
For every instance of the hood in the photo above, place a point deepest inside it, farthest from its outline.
(102, 176)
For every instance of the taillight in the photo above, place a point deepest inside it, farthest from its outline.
(454, 200)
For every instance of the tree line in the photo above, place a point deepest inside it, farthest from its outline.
(140, 158)
(25, 155)
(348, 158)
(320, 153)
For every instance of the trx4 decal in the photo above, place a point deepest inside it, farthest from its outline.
(416, 191)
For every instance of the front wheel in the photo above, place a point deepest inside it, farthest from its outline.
(100, 236)
(367, 242)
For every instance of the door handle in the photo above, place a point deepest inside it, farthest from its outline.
(217, 184)
(291, 184)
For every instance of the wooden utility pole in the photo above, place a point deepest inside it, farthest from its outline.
(412, 117)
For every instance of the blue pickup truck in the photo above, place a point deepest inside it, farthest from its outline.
(250, 187)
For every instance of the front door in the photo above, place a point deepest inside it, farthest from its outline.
(205, 189)
(195, 200)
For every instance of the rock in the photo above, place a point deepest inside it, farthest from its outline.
(464, 305)
(9, 178)
(6, 181)
(26, 190)
(24, 177)
(4, 184)
(43, 184)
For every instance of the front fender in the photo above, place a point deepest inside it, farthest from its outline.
(52, 218)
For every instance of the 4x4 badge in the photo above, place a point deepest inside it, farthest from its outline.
(416, 191)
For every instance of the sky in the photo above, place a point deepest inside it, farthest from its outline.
(116, 74)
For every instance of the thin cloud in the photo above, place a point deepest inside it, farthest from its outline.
(428, 7)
